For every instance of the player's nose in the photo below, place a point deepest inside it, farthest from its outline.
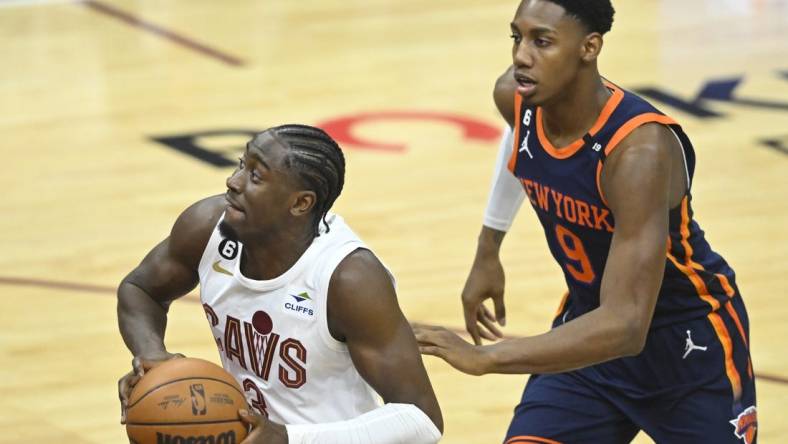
(522, 56)
(234, 182)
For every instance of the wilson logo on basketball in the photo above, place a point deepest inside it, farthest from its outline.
(199, 406)
(746, 425)
(221, 438)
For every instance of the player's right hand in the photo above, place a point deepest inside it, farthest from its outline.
(139, 365)
(485, 281)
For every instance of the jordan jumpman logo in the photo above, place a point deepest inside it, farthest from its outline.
(691, 346)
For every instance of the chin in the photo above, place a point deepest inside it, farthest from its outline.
(532, 100)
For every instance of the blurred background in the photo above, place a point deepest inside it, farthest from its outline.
(117, 115)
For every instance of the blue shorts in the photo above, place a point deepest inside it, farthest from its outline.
(693, 383)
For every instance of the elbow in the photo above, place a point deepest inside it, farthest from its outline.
(633, 338)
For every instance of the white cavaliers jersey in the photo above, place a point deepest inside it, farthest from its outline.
(273, 335)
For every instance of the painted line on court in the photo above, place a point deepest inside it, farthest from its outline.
(192, 298)
(22, 3)
(172, 36)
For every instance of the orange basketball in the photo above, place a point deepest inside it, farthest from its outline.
(186, 400)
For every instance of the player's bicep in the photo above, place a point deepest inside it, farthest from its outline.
(170, 269)
(637, 186)
(163, 275)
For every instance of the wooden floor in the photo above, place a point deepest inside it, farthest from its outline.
(94, 95)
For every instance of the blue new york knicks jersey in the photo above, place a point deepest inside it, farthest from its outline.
(693, 381)
(563, 186)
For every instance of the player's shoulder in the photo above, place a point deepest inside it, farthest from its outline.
(359, 267)
(194, 225)
(503, 93)
(636, 123)
(360, 278)
(648, 142)
(203, 214)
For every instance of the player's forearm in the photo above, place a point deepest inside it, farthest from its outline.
(142, 321)
(595, 337)
(489, 242)
(389, 424)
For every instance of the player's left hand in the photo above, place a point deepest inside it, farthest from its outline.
(263, 431)
(447, 345)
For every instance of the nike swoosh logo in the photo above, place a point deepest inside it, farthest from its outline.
(218, 268)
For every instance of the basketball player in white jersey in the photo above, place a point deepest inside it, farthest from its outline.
(304, 315)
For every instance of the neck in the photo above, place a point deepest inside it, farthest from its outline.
(571, 115)
(267, 257)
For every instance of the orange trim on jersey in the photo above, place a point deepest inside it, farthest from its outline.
(518, 104)
(684, 230)
(703, 292)
(599, 182)
(621, 133)
(737, 321)
(530, 439)
(727, 347)
(726, 285)
(633, 123)
(612, 103)
(687, 267)
(567, 151)
(697, 282)
(732, 312)
(561, 305)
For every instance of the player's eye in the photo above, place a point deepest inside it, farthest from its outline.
(516, 38)
(542, 43)
(240, 163)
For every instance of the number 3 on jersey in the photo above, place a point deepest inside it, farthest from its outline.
(578, 264)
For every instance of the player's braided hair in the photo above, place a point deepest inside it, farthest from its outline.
(318, 161)
(596, 15)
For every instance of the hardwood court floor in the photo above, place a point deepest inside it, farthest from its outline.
(88, 88)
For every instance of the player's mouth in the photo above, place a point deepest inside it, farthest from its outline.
(232, 204)
(525, 84)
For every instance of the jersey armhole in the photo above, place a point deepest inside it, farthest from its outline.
(625, 130)
(211, 247)
(323, 281)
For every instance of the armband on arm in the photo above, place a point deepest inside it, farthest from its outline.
(506, 192)
(389, 424)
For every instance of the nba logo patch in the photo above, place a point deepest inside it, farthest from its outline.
(199, 406)
(746, 425)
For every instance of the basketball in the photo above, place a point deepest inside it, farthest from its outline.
(186, 400)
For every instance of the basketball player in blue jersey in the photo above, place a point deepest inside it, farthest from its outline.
(652, 334)
(304, 314)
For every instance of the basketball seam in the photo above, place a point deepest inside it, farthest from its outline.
(179, 380)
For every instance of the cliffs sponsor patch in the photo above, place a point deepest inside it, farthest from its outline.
(299, 304)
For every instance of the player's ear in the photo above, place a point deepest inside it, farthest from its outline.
(591, 47)
(302, 202)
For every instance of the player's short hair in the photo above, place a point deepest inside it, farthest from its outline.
(318, 161)
(596, 15)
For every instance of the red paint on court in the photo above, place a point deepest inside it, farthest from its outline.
(342, 128)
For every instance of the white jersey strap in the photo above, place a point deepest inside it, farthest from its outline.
(388, 424)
